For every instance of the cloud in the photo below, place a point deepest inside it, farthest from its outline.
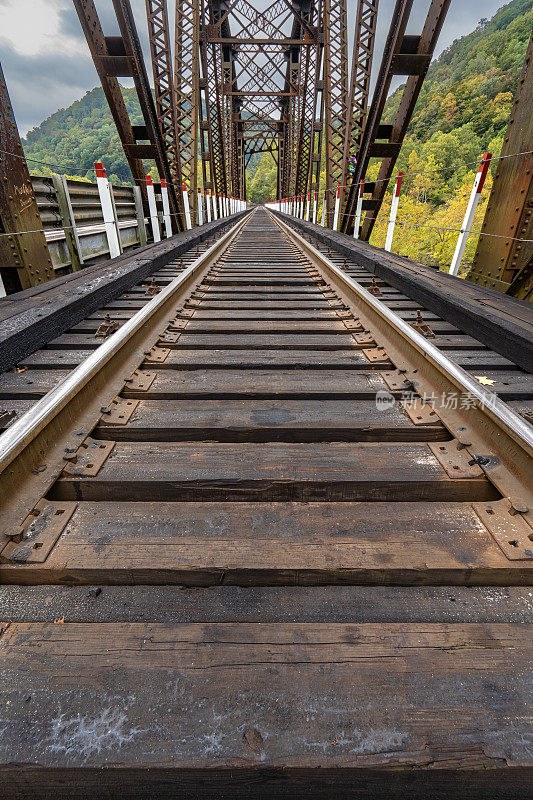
(49, 66)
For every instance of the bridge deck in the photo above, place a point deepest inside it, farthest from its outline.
(271, 586)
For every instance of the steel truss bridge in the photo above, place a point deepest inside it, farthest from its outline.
(231, 81)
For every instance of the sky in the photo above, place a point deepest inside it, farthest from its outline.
(47, 64)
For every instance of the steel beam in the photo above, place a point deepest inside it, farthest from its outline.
(108, 67)
(24, 257)
(362, 58)
(158, 34)
(335, 96)
(403, 55)
(131, 47)
(187, 92)
(506, 263)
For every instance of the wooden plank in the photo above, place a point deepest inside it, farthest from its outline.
(125, 304)
(273, 471)
(257, 359)
(270, 544)
(281, 341)
(11, 410)
(269, 420)
(263, 304)
(326, 325)
(324, 604)
(240, 314)
(262, 291)
(382, 699)
(325, 384)
(54, 359)
(514, 384)
(257, 281)
(481, 359)
(29, 384)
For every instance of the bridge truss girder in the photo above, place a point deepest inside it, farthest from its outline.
(408, 55)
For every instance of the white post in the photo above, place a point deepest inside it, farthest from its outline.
(323, 223)
(187, 207)
(215, 205)
(154, 219)
(337, 208)
(106, 201)
(166, 208)
(393, 211)
(358, 210)
(475, 197)
(200, 207)
(208, 204)
(2, 288)
(315, 205)
(308, 207)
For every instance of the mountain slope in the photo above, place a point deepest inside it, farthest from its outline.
(74, 138)
(462, 111)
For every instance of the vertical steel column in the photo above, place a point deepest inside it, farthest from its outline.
(158, 34)
(107, 66)
(335, 94)
(187, 91)
(24, 257)
(363, 52)
(505, 263)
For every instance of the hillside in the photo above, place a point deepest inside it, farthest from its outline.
(462, 111)
(75, 137)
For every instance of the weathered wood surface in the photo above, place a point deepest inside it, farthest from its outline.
(502, 322)
(207, 544)
(260, 359)
(326, 645)
(274, 471)
(323, 604)
(269, 420)
(211, 695)
(171, 384)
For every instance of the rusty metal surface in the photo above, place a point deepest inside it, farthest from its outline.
(403, 55)
(24, 258)
(132, 48)
(102, 59)
(362, 57)
(186, 90)
(505, 263)
(158, 34)
(335, 97)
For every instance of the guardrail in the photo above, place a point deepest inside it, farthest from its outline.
(73, 218)
(73, 221)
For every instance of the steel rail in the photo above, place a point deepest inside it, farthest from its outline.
(508, 418)
(19, 435)
(495, 424)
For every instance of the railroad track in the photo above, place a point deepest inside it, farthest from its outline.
(345, 499)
